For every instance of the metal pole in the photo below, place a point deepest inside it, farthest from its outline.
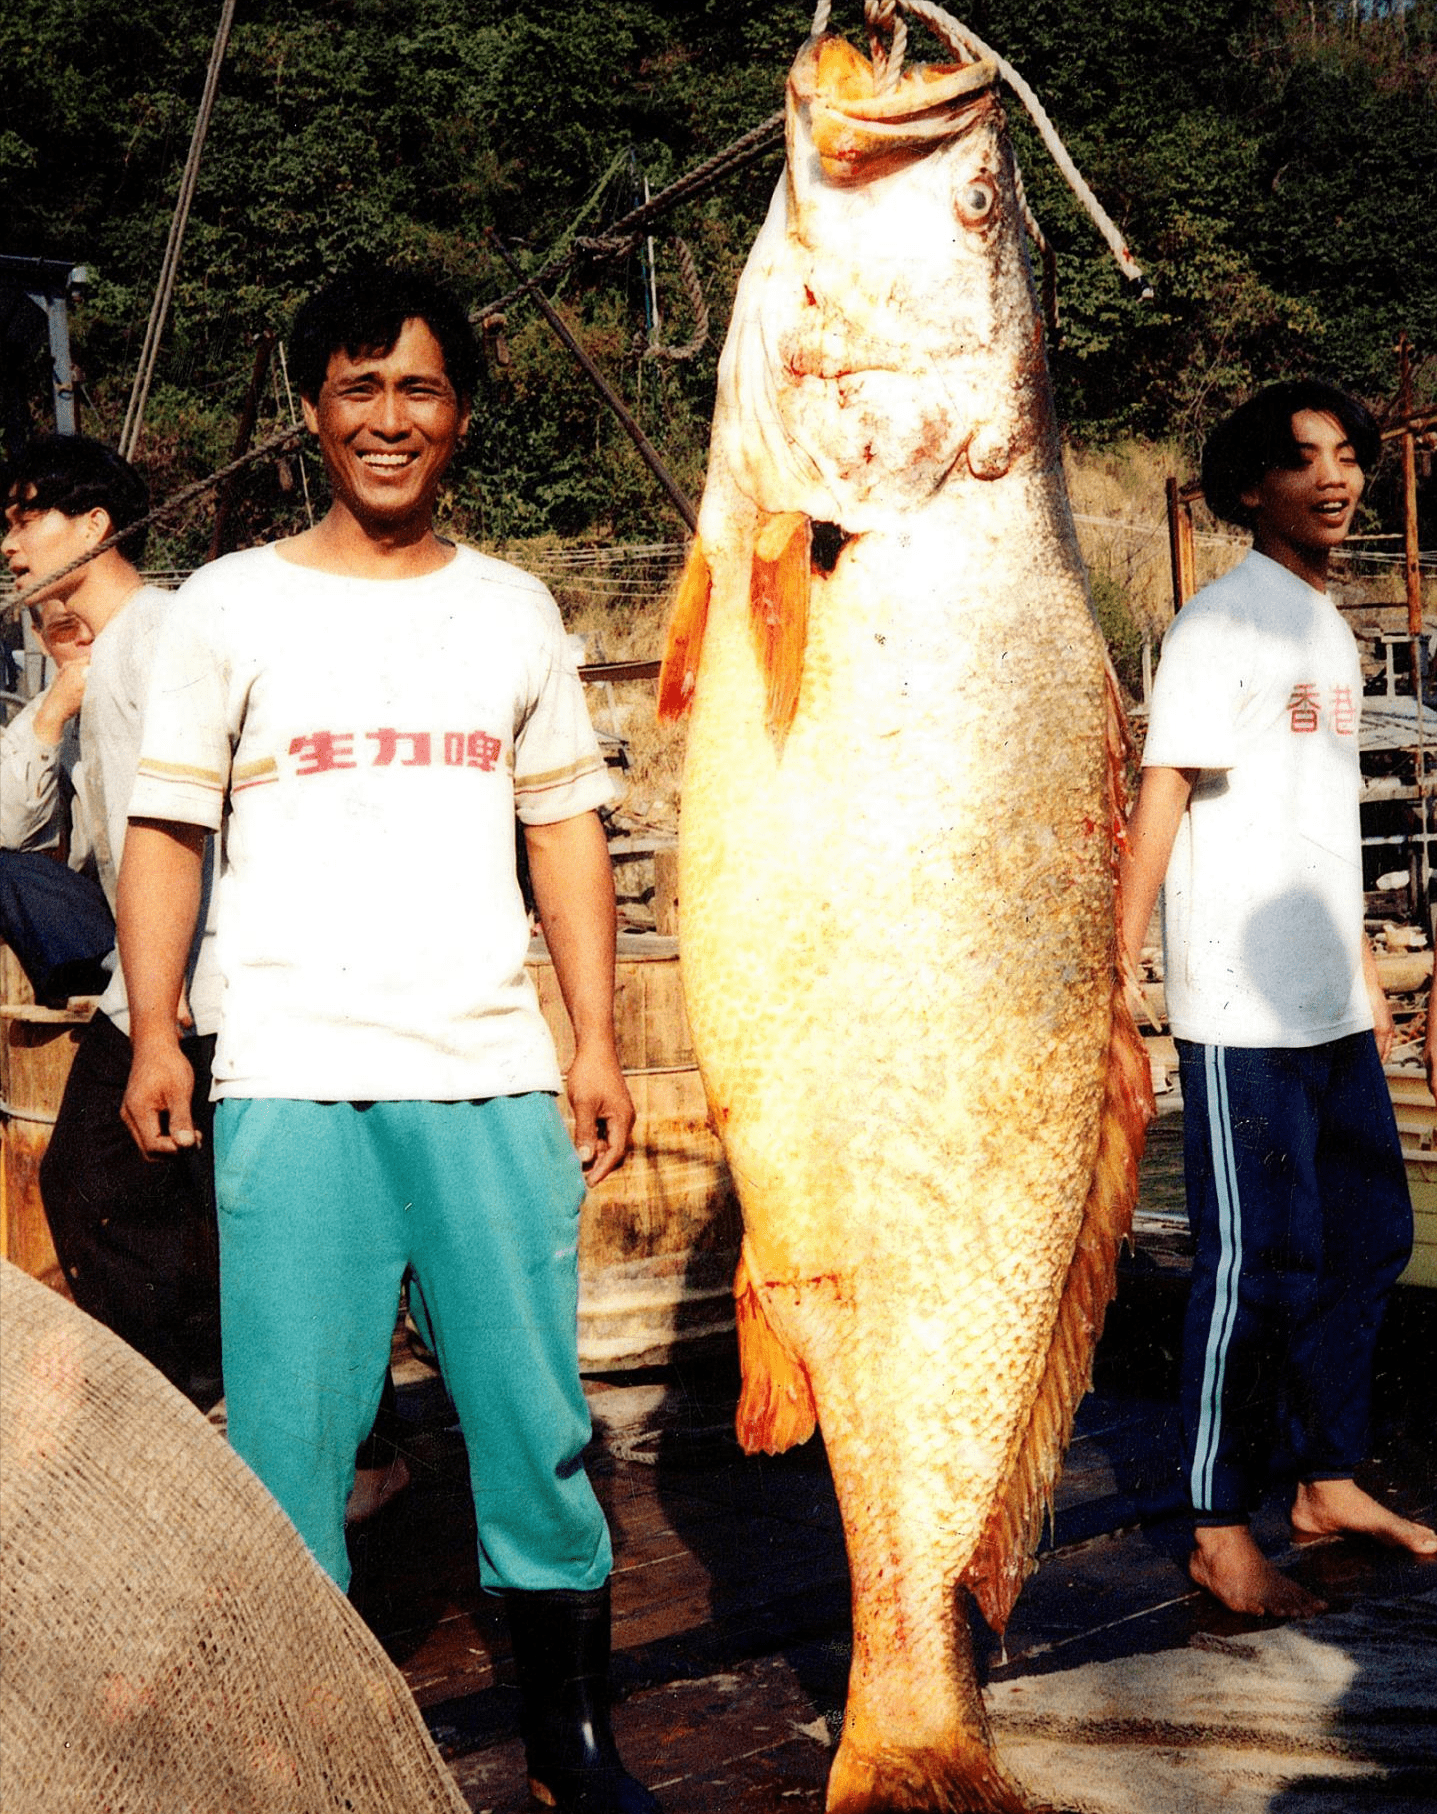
(62, 375)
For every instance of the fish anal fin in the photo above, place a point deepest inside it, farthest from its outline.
(687, 617)
(776, 1408)
(781, 579)
(1002, 1559)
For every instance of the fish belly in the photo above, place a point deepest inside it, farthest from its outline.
(898, 947)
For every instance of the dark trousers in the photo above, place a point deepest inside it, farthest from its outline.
(1297, 1196)
(57, 923)
(136, 1237)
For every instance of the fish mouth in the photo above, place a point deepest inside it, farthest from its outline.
(851, 124)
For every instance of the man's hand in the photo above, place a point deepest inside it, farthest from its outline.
(156, 1108)
(1384, 1027)
(62, 700)
(603, 1112)
(574, 890)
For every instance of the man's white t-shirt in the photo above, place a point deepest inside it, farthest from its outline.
(1260, 688)
(367, 744)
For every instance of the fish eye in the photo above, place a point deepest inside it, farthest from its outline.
(976, 201)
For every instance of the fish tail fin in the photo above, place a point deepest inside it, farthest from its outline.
(776, 1408)
(780, 582)
(687, 618)
(968, 1780)
(1001, 1561)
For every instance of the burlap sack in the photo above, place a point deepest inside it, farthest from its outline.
(169, 1644)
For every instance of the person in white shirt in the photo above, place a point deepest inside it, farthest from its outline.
(386, 1082)
(1296, 1188)
(137, 1240)
(53, 912)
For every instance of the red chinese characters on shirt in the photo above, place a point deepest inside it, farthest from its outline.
(1305, 710)
(321, 751)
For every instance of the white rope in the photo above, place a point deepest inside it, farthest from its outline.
(887, 64)
(883, 16)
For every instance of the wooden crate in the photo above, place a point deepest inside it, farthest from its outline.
(1417, 1125)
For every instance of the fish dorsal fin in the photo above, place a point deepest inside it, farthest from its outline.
(1002, 1558)
(776, 1408)
(779, 585)
(687, 617)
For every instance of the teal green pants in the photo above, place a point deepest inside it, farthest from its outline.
(322, 1208)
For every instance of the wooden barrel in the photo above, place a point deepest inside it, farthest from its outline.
(37, 1047)
(659, 1238)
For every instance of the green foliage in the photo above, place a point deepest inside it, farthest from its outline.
(1120, 631)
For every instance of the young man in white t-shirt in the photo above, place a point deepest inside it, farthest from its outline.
(1296, 1189)
(136, 1240)
(386, 1081)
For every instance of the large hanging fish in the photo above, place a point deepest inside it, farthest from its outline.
(897, 886)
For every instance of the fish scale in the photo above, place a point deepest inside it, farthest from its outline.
(897, 894)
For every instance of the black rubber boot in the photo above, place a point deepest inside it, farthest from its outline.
(561, 1647)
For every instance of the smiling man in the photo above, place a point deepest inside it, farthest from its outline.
(386, 1081)
(1296, 1189)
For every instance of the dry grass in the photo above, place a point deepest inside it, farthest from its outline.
(1120, 502)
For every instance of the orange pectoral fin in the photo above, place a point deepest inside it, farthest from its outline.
(775, 1408)
(687, 618)
(778, 604)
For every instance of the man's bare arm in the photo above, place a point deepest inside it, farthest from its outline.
(1429, 1044)
(159, 903)
(574, 892)
(1384, 1028)
(1163, 796)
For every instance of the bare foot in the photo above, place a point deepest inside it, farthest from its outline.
(1324, 1507)
(1234, 1570)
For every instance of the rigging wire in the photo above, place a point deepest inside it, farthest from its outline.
(619, 237)
(164, 290)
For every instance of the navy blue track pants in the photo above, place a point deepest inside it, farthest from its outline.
(1298, 1203)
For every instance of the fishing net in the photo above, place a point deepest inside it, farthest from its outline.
(167, 1643)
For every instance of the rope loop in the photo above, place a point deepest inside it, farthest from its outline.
(694, 345)
(887, 66)
(883, 16)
